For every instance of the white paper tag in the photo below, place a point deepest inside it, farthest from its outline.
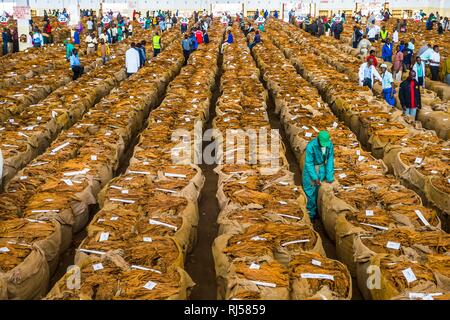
(103, 236)
(282, 202)
(335, 125)
(342, 176)
(156, 222)
(115, 218)
(150, 285)
(361, 158)
(147, 239)
(4, 249)
(54, 114)
(174, 175)
(409, 275)
(258, 238)
(254, 266)
(369, 213)
(308, 134)
(294, 242)
(317, 276)
(97, 266)
(393, 245)
(94, 157)
(68, 182)
(316, 262)
(418, 160)
(124, 191)
(358, 152)
(264, 284)
(122, 200)
(421, 217)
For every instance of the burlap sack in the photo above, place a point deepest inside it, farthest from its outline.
(29, 280)
(330, 207)
(301, 290)
(440, 199)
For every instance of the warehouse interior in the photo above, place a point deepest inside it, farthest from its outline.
(225, 150)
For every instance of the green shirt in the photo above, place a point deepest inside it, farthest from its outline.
(69, 48)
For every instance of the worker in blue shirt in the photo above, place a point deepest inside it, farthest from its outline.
(275, 14)
(76, 37)
(229, 41)
(75, 64)
(319, 166)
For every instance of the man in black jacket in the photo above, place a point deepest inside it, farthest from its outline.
(409, 95)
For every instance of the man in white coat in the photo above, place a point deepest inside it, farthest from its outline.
(368, 74)
(132, 60)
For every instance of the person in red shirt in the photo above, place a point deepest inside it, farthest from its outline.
(199, 36)
(372, 56)
(409, 95)
(47, 33)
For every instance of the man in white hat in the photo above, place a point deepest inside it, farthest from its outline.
(388, 85)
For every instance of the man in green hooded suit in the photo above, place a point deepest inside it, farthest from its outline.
(319, 166)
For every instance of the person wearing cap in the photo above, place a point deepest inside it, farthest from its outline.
(319, 166)
(388, 85)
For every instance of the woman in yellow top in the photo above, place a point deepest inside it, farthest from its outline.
(103, 51)
(445, 72)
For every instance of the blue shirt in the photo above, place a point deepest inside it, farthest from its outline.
(230, 38)
(76, 37)
(74, 61)
(186, 44)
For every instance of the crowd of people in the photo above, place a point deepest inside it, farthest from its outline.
(404, 57)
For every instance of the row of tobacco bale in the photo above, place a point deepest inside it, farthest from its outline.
(50, 199)
(30, 78)
(416, 156)
(267, 247)
(137, 242)
(434, 114)
(390, 242)
(31, 128)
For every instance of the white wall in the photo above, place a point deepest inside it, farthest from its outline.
(335, 5)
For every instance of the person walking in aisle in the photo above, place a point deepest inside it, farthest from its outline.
(156, 44)
(256, 40)
(445, 72)
(368, 74)
(373, 57)
(199, 36)
(229, 40)
(205, 37)
(186, 45)
(76, 37)
(409, 95)
(387, 84)
(319, 167)
(38, 40)
(356, 37)
(397, 67)
(419, 69)
(386, 51)
(364, 45)
(75, 64)
(103, 51)
(69, 48)
(91, 42)
(433, 57)
(5, 40)
(132, 60)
